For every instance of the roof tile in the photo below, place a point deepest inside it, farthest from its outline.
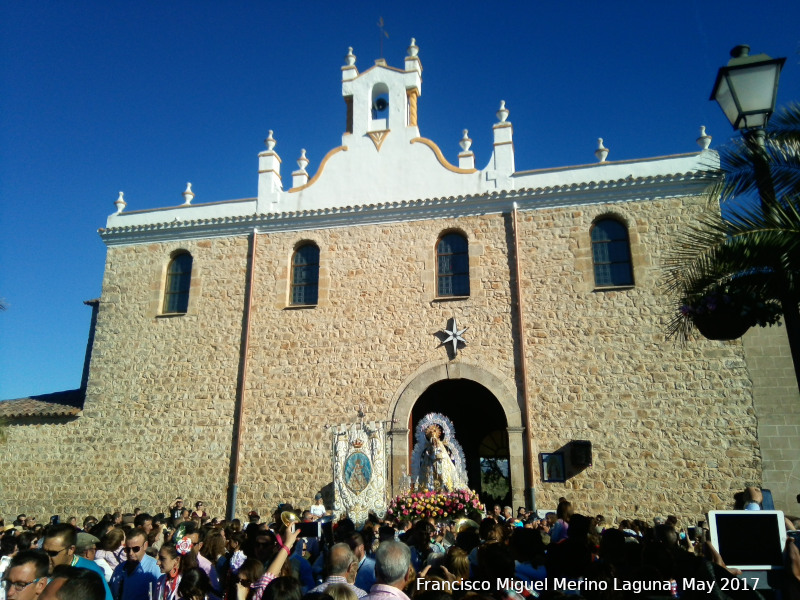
(59, 404)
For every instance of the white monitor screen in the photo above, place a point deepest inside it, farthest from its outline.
(749, 539)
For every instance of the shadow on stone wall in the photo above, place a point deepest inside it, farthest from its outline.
(577, 457)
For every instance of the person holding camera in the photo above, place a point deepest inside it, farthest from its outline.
(176, 511)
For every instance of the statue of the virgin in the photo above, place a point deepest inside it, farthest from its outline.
(438, 460)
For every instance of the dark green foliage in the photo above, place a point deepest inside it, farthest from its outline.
(748, 256)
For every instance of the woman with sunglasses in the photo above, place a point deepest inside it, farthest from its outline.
(241, 576)
(199, 512)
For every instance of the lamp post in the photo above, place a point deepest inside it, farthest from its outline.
(746, 90)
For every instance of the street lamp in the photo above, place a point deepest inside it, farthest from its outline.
(747, 87)
(746, 90)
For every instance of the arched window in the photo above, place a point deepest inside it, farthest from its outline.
(179, 278)
(379, 108)
(305, 275)
(452, 265)
(611, 254)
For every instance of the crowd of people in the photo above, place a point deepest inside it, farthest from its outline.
(184, 554)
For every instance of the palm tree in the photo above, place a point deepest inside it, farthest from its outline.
(742, 267)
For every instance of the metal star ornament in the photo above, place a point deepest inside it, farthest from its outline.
(454, 335)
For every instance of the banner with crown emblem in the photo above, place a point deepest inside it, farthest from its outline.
(359, 470)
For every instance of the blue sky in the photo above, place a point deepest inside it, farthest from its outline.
(144, 96)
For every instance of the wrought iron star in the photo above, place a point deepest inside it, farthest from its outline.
(454, 335)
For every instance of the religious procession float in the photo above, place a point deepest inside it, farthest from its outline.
(438, 486)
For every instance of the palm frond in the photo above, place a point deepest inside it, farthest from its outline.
(784, 166)
(753, 248)
(784, 125)
(781, 152)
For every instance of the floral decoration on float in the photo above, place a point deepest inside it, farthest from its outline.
(440, 505)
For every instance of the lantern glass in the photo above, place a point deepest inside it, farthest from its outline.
(746, 90)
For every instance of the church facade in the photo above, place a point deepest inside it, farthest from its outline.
(526, 306)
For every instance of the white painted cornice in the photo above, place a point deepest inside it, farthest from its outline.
(223, 219)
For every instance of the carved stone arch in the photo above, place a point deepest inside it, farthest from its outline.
(426, 375)
(617, 215)
(455, 229)
(429, 373)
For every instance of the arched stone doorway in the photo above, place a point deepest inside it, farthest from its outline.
(480, 427)
(505, 398)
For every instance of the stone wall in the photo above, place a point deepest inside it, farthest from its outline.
(159, 408)
(777, 404)
(672, 426)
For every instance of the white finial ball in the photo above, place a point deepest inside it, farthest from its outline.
(704, 141)
(302, 162)
(120, 203)
(188, 194)
(270, 141)
(502, 114)
(465, 142)
(602, 152)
